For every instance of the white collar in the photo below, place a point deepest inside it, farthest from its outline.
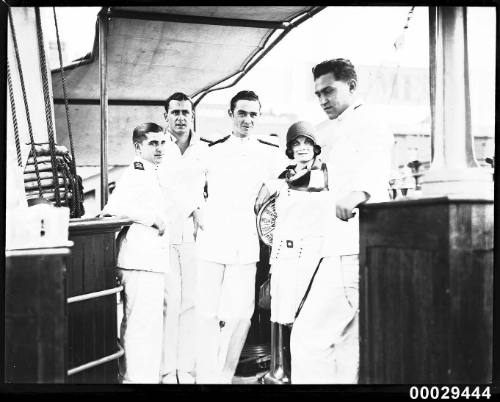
(348, 111)
(146, 164)
(192, 140)
(240, 139)
(173, 138)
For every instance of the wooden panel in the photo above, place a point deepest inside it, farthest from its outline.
(471, 316)
(35, 319)
(93, 323)
(426, 292)
(402, 318)
(401, 225)
(471, 269)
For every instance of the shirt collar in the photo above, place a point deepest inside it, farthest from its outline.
(194, 137)
(147, 165)
(346, 113)
(240, 139)
(173, 138)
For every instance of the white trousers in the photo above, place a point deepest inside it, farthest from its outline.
(179, 313)
(324, 342)
(142, 325)
(225, 300)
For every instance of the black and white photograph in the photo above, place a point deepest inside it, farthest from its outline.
(250, 197)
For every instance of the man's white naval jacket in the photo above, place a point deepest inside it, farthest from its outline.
(183, 178)
(235, 169)
(360, 147)
(138, 195)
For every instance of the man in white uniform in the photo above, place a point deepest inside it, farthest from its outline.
(143, 256)
(236, 167)
(359, 160)
(184, 180)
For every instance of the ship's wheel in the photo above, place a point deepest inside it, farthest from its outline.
(266, 221)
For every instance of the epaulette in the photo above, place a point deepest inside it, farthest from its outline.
(205, 140)
(268, 143)
(219, 141)
(138, 166)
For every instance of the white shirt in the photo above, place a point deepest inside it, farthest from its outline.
(183, 178)
(359, 160)
(235, 169)
(138, 195)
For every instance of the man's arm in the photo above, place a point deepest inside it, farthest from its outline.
(126, 200)
(346, 204)
(370, 169)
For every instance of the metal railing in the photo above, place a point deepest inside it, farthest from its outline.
(94, 295)
(98, 362)
(105, 359)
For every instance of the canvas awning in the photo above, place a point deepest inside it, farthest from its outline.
(154, 50)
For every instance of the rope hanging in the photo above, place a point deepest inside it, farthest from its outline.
(46, 98)
(25, 98)
(77, 209)
(14, 117)
(398, 44)
(50, 171)
(66, 105)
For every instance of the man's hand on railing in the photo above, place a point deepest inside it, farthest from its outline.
(160, 225)
(346, 204)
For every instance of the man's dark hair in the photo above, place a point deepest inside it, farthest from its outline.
(141, 130)
(180, 97)
(342, 69)
(243, 95)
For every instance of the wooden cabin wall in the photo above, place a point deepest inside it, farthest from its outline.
(47, 334)
(92, 324)
(426, 292)
(35, 316)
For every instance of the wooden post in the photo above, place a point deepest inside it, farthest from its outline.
(103, 78)
(454, 169)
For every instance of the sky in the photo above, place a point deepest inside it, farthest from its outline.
(365, 35)
(76, 28)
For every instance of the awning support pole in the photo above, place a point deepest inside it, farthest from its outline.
(103, 78)
(454, 169)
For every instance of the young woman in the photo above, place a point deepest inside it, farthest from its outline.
(303, 253)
